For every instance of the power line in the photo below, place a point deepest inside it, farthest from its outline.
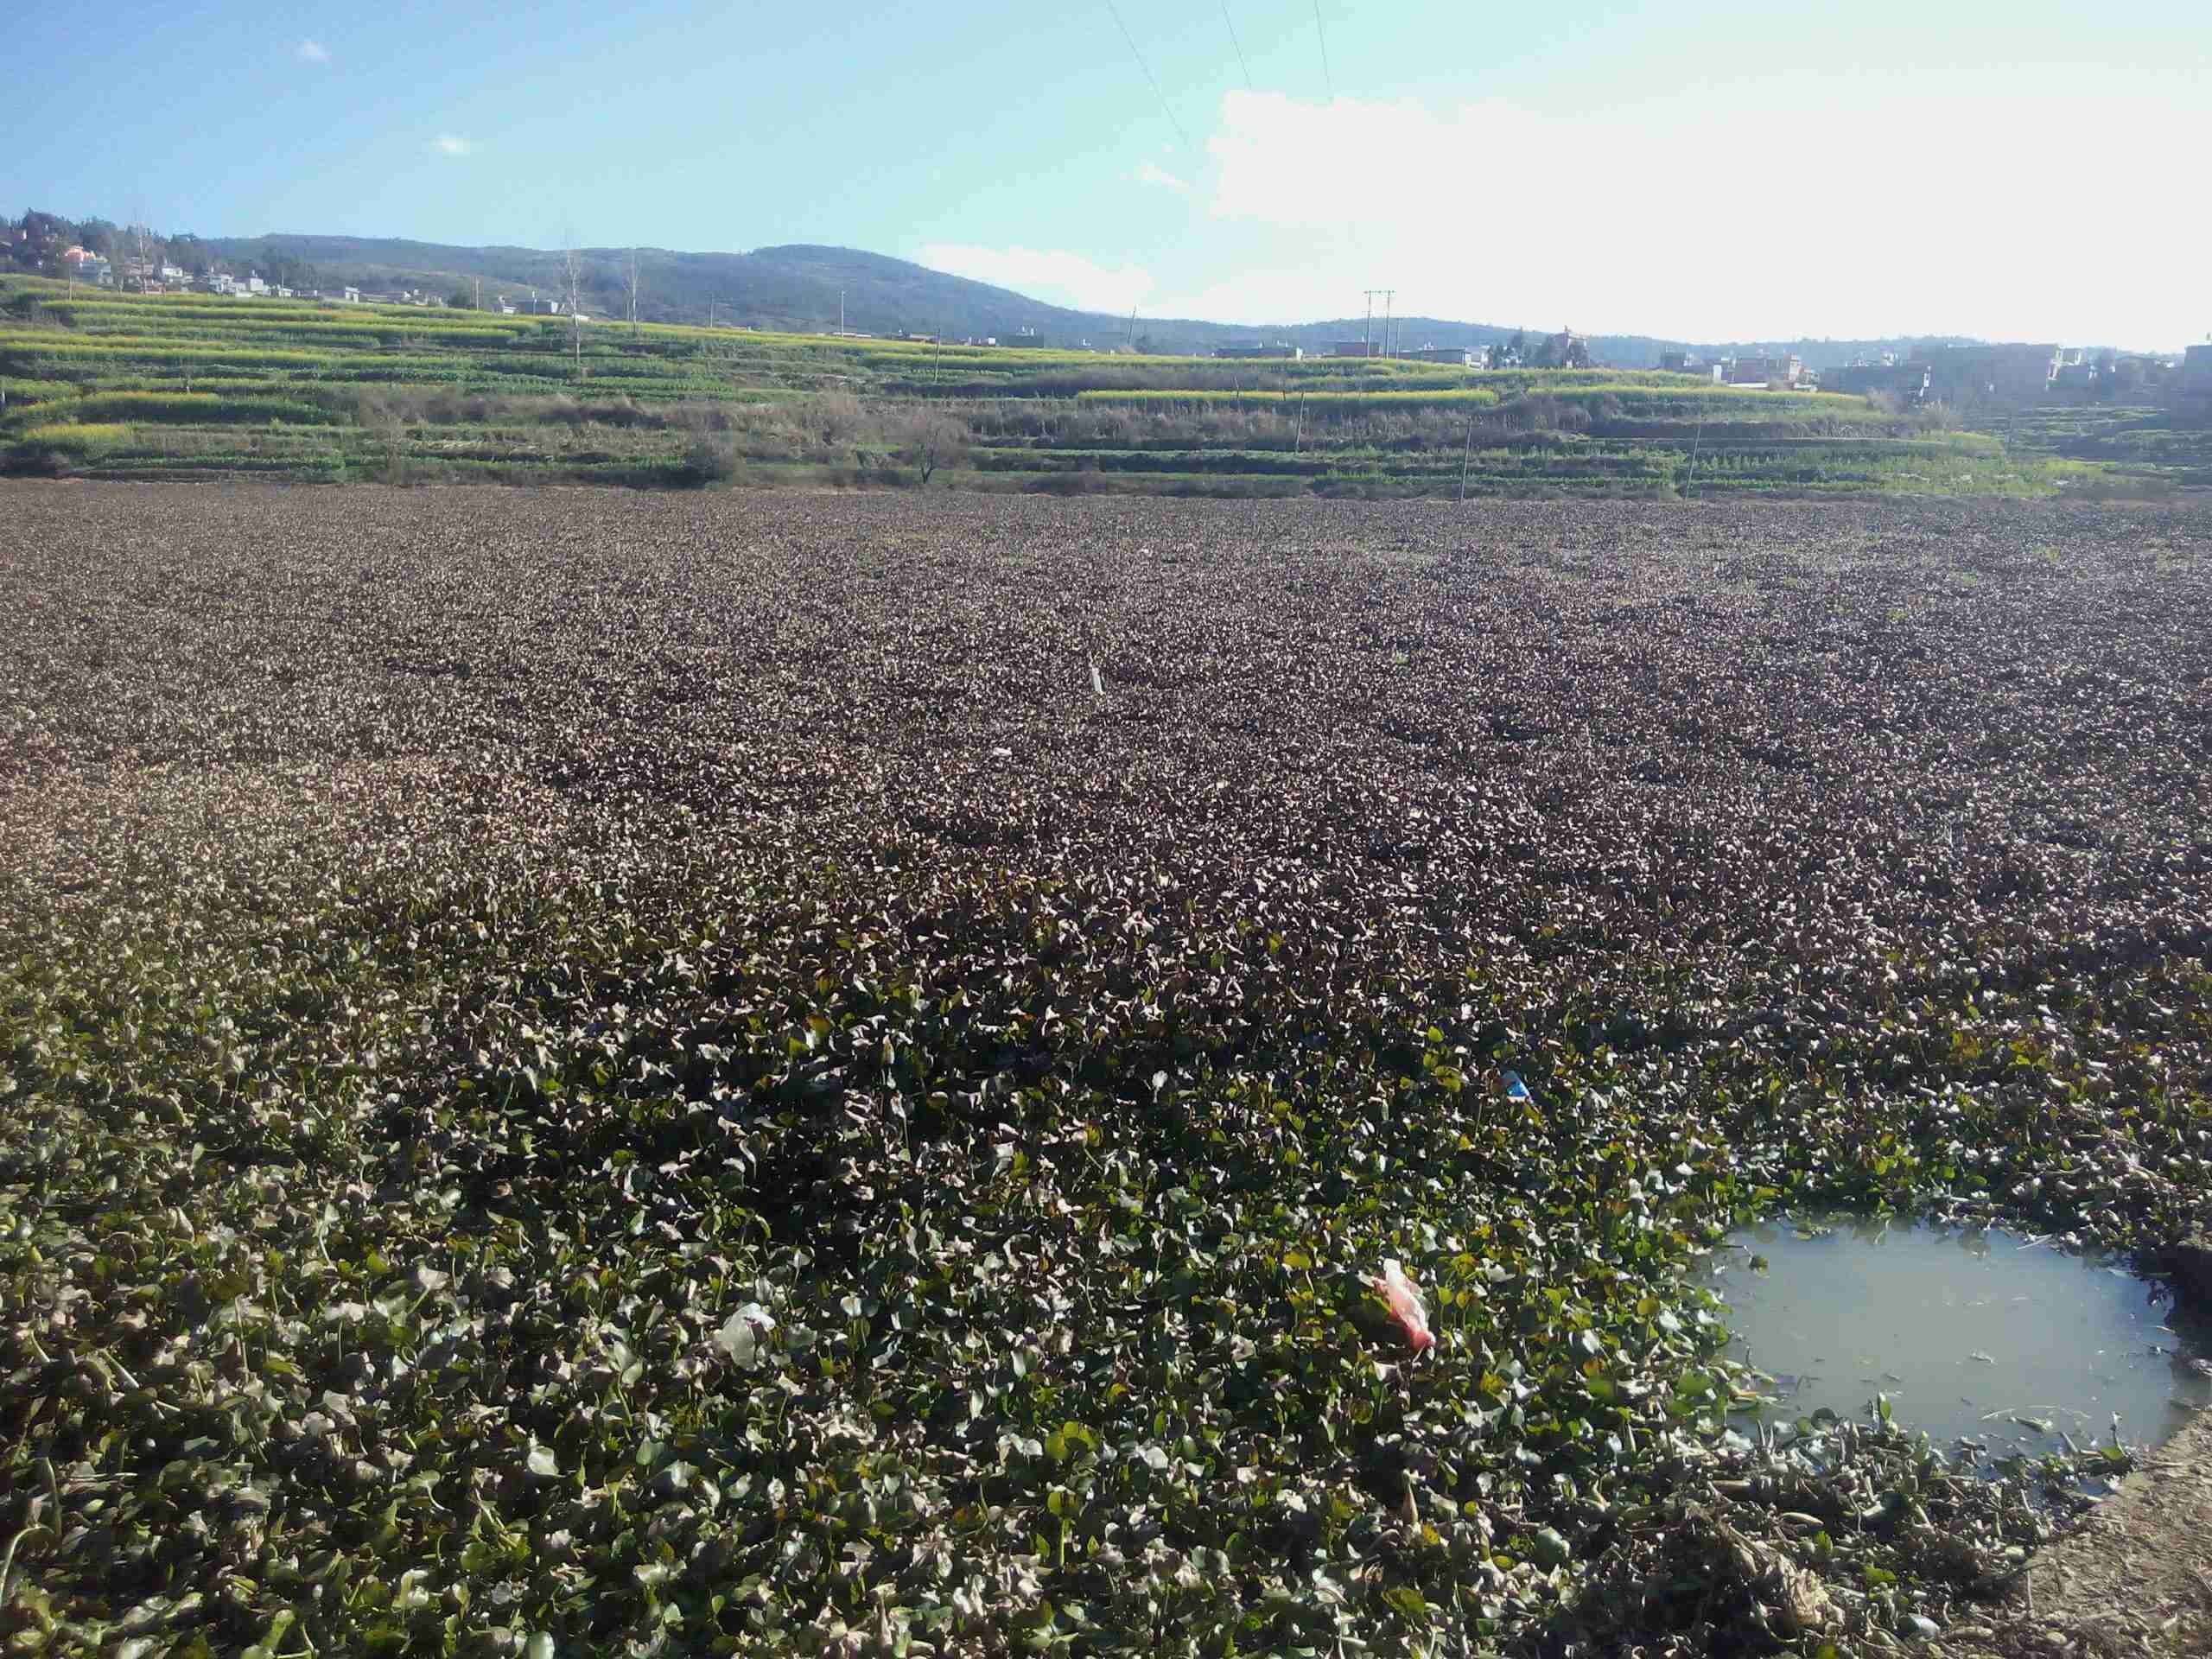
(1327, 80)
(1147, 67)
(1238, 44)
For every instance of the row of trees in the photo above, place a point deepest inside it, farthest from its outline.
(37, 242)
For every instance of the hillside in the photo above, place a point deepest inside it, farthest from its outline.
(805, 289)
(798, 287)
(121, 386)
(787, 288)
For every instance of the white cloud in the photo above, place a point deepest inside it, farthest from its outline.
(1716, 214)
(1151, 173)
(1049, 274)
(447, 143)
(312, 52)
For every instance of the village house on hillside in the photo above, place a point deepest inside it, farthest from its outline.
(2000, 373)
(2192, 385)
(1564, 350)
(1458, 356)
(1905, 380)
(1771, 369)
(86, 266)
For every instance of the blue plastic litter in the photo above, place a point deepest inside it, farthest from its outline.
(1515, 1089)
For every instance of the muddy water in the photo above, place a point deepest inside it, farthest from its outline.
(1990, 1343)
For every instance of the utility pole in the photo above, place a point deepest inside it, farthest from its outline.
(1388, 294)
(633, 290)
(841, 310)
(479, 300)
(1132, 327)
(1367, 334)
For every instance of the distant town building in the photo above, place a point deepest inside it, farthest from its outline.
(1355, 348)
(1769, 370)
(1995, 373)
(2192, 382)
(1906, 380)
(1458, 356)
(1564, 350)
(2148, 373)
(1279, 349)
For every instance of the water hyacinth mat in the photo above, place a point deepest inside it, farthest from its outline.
(618, 1074)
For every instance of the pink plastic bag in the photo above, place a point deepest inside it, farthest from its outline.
(1405, 1303)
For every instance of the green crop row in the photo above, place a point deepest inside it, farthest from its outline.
(1466, 398)
(199, 408)
(21, 347)
(78, 434)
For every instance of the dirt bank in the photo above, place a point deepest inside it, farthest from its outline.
(2136, 1580)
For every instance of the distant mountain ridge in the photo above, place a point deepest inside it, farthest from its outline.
(807, 287)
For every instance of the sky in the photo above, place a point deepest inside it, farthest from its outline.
(1711, 170)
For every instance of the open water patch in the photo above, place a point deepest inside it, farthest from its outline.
(1993, 1344)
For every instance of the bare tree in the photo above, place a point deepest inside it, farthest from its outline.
(929, 439)
(841, 417)
(136, 252)
(572, 264)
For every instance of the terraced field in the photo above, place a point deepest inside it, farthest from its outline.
(2146, 448)
(592, 1072)
(173, 387)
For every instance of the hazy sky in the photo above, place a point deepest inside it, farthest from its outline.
(1708, 169)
